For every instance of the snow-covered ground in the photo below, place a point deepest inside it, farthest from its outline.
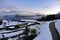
(57, 25)
(10, 33)
(11, 22)
(13, 34)
(43, 30)
(1, 36)
(37, 27)
(45, 33)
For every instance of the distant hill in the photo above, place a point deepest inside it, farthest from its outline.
(18, 12)
(50, 17)
(18, 17)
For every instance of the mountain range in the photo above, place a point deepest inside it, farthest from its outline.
(17, 15)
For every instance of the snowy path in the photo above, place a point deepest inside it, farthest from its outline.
(53, 30)
(45, 33)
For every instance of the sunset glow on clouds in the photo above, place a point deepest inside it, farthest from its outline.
(35, 6)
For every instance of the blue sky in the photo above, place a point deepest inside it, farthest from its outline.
(36, 6)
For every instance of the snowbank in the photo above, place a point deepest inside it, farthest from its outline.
(57, 25)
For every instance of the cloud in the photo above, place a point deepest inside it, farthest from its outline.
(2, 2)
(6, 6)
(46, 7)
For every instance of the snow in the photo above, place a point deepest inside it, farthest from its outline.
(1, 26)
(10, 39)
(13, 34)
(42, 29)
(35, 27)
(8, 24)
(11, 22)
(1, 36)
(3, 31)
(57, 25)
(16, 38)
(29, 21)
(11, 27)
(45, 33)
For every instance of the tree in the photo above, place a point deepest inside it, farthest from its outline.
(1, 22)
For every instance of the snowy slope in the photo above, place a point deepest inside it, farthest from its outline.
(45, 33)
(57, 25)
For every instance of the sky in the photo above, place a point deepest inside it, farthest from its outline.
(36, 6)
